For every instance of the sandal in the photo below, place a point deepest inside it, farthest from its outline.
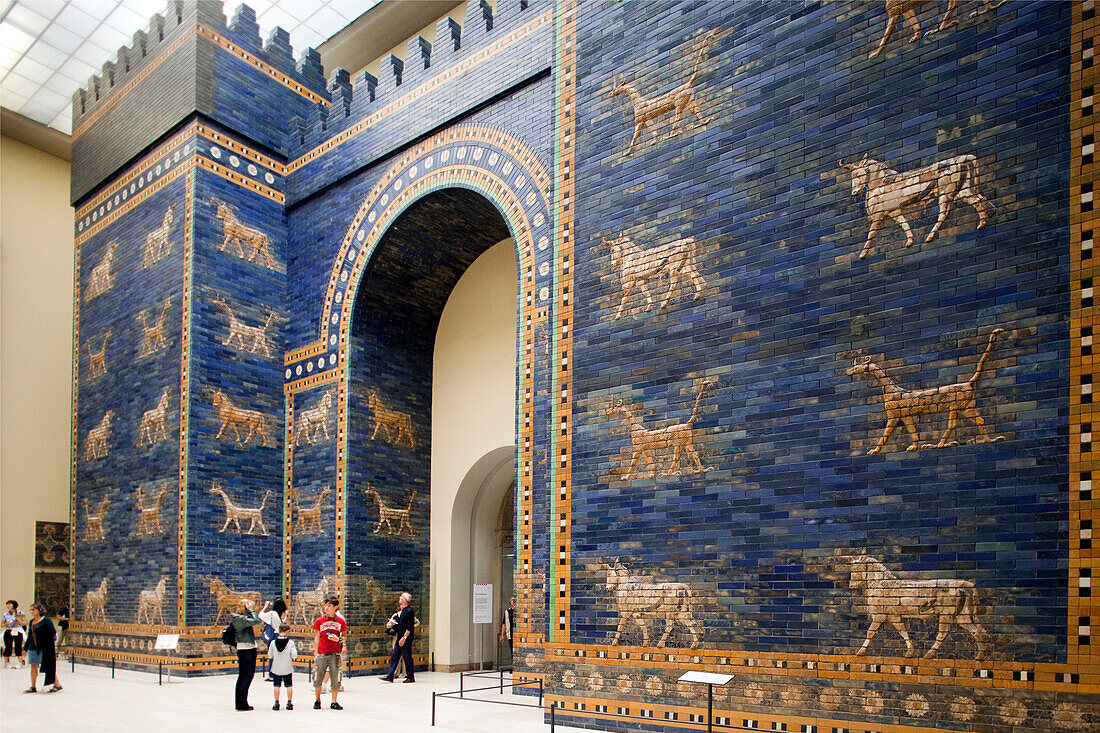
(55, 688)
(29, 690)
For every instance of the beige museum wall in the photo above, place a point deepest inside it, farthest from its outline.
(473, 449)
(36, 321)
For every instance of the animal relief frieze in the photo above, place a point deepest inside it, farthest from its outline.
(679, 101)
(234, 418)
(96, 445)
(226, 600)
(152, 428)
(312, 423)
(661, 445)
(640, 602)
(235, 513)
(637, 267)
(152, 336)
(254, 339)
(256, 242)
(396, 522)
(891, 195)
(394, 425)
(102, 277)
(309, 517)
(97, 358)
(149, 514)
(906, 406)
(151, 603)
(94, 520)
(157, 244)
(95, 603)
(947, 602)
(898, 9)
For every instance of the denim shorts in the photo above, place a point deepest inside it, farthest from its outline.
(34, 656)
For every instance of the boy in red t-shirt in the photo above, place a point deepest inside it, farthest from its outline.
(329, 641)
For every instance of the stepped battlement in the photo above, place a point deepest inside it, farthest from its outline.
(170, 29)
(352, 100)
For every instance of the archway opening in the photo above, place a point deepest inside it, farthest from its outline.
(436, 292)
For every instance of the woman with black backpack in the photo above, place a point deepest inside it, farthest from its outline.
(242, 624)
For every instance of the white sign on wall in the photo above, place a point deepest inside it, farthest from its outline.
(483, 603)
(167, 641)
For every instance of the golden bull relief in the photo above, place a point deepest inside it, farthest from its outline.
(636, 267)
(642, 602)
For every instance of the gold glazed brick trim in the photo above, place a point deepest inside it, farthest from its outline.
(185, 397)
(694, 717)
(311, 382)
(180, 168)
(143, 167)
(242, 181)
(217, 38)
(114, 99)
(456, 71)
(241, 149)
(1083, 650)
(460, 134)
(74, 444)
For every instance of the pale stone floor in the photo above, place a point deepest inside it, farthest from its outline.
(133, 702)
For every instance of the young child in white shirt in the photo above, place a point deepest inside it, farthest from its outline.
(282, 652)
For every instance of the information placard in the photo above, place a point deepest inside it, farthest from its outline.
(483, 603)
(167, 641)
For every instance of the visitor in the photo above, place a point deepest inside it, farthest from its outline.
(63, 627)
(403, 626)
(40, 649)
(274, 616)
(508, 624)
(281, 654)
(329, 642)
(246, 650)
(13, 635)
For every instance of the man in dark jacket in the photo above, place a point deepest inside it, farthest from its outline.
(403, 631)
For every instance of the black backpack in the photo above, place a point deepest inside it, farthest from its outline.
(229, 636)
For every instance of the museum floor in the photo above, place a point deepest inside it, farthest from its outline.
(92, 701)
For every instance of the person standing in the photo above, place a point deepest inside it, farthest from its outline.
(274, 616)
(404, 629)
(329, 642)
(508, 624)
(40, 649)
(281, 653)
(13, 634)
(62, 627)
(246, 650)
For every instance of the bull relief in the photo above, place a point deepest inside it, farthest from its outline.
(897, 9)
(151, 603)
(893, 195)
(640, 602)
(637, 267)
(102, 277)
(95, 603)
(149, 514)
(252, 422)
(245, 337)
(394, 424)
(152, 430)
(94, 520)
(309, 517)
(95, 442)
(656, 445)
(681, 100)
(907, 405)
(226, 600)
(310, 604)
(888, 598)
(157, 244)
(250, 243)
(312, 423)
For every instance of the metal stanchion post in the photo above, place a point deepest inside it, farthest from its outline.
(461, 682)
(160, 668)
(552, 721)
(501, 670)
(710, 708)
(112, 667)
(433, 708)
(540, 692)
(72, 660)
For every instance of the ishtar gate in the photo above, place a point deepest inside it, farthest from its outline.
(798, 368)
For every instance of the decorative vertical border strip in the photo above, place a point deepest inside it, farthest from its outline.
(1083, 655)
(560, 465)
(291, 391)
(185, 390)
(339, 519)
(73, 439)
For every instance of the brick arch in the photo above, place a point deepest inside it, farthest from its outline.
(481, 159)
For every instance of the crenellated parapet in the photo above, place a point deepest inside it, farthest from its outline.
(424, 60)
(466, 65)
(191, 59)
